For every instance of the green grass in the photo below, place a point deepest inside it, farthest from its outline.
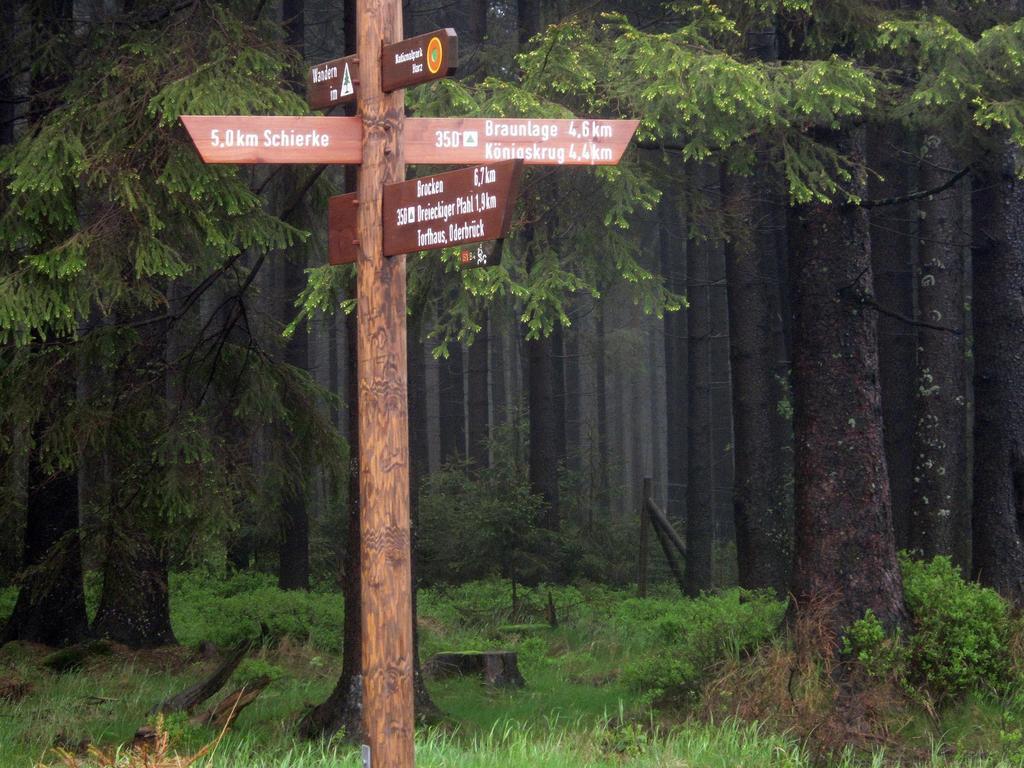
(581, 705)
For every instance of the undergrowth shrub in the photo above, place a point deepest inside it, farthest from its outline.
(961, 629)
(683, 640)
(226, 611)
(478, 525)
(251, 669)
(960, 636)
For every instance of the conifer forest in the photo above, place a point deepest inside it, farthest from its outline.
(718, 460)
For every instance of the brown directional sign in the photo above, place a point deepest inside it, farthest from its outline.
(419, 59)
(248, 139)
(332, 82)
(342, 237)
(343, 243)
(464, 206)
(470, 205)
(534, 141)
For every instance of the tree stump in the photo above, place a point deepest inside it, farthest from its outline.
(497, 668)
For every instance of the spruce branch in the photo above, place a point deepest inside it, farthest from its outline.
(908, 198)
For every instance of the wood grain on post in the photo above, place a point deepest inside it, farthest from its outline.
(383, 414)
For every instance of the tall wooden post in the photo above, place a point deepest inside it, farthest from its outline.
(383, 412)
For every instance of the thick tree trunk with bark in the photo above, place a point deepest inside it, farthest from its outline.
(343, 709)
(134, 605)
(673, 269)
(845, 550)
(891, 263)
(764, 525)
(51, 604)
(940, 519)
(998, 517)
(700, 492)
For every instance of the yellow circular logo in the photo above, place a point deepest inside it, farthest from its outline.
(435, 54)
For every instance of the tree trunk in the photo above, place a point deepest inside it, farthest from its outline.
(940, 519)
(998, 517)
(891, 263)
(134, 605)
(764, 526)
(700, 509)
(601, 386)
(51, 604)
(558, 390)
(845, 551)
(673, 269)
(293, 546)
(343, 709)
(543, 429)
(479, 422)
(574, 395)
(452, 404)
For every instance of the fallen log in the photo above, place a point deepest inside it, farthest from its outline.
(192, 697)
(223, 715)
(497, 668)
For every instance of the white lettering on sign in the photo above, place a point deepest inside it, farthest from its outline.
(442, 211)
(406, 215)
(528, 130)
(292, 138)
(484, 175)
(429, 187)
(430, 238)
(322, 75)
(537, 153)
(404, 56)
(477, 202)
(467, 231)
(232, 137)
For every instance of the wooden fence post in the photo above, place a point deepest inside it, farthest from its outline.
(641, 588)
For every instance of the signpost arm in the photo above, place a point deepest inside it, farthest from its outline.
(383, 414)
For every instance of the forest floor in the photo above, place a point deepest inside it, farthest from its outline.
(588, 699)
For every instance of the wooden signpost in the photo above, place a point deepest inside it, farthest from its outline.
(370, 225)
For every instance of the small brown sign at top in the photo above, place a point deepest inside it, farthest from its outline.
(332, 82)
(419, 59)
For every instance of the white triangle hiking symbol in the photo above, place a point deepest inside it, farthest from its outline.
(346, 83)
